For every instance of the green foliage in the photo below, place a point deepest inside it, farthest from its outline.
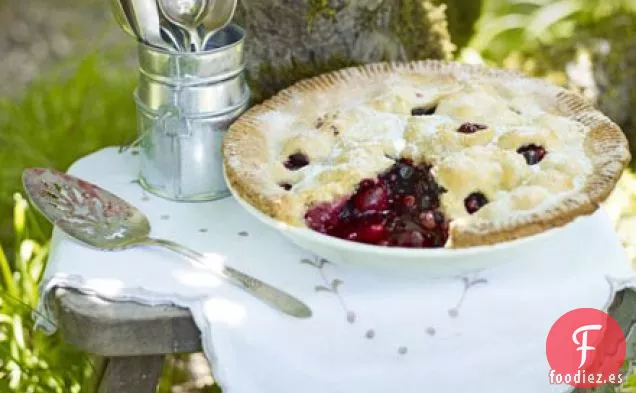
(462, 16)
(63, 117)
(630, 383)
(29, 360)
(529, 25)
(176, 373)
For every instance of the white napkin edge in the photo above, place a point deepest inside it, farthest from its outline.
(46, 321)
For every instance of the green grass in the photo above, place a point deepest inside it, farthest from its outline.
(67, 114)
(29, 360)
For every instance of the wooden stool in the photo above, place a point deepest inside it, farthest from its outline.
(129, 340)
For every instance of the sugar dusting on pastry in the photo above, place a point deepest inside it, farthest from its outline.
(358, 133)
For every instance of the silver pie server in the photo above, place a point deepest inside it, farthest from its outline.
(104, 221)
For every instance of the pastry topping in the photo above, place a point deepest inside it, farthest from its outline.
(398, 209)
(514, 110)
(475, 201)
(423, 111)
(285, 186)
(532, 153)
(296, 161)
(469, 128)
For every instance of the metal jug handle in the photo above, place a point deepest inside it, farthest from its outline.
(166, 115)
(173, 122)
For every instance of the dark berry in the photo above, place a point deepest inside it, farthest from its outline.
(285, 186)
(469, 128)
(426, 202)
(296, 161)
(532, 153)
(366, 183)
(475, 201)
(406, 172)
(372, 233)
(324, 216)
(427, 220)
(439, 217)
(408, 200)
(411, 239)
(373, 198)
(423, 111)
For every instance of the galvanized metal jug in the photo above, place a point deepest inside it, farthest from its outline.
(185, 104)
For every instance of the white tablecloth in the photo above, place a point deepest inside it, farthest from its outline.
(369, 334)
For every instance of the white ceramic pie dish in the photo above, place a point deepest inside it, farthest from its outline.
(429, 262)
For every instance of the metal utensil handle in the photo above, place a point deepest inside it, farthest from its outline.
(147, 17)
(227, 13)
(265, 292)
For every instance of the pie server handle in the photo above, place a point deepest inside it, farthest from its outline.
(273, 296)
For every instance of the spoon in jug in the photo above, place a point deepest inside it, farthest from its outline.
(102, 220)
(186, 14)
(216, 18)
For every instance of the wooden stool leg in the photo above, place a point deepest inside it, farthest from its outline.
(134, 374)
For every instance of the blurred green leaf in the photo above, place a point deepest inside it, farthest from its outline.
(491, 28)
(548, 16)
(511, 26)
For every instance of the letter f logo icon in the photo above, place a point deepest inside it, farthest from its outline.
(583, 343)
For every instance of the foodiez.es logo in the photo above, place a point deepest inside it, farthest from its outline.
(585, 349)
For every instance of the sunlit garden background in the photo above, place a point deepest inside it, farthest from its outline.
(66, 79)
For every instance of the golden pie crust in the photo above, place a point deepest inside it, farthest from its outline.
(353, 123)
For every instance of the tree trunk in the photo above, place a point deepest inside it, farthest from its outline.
(288, 40)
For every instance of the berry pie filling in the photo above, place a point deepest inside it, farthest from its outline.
(399, 208)
(402, 206)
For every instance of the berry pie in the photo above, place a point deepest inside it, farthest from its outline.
(424, 154)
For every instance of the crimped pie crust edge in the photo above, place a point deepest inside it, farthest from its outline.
(605, 145)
